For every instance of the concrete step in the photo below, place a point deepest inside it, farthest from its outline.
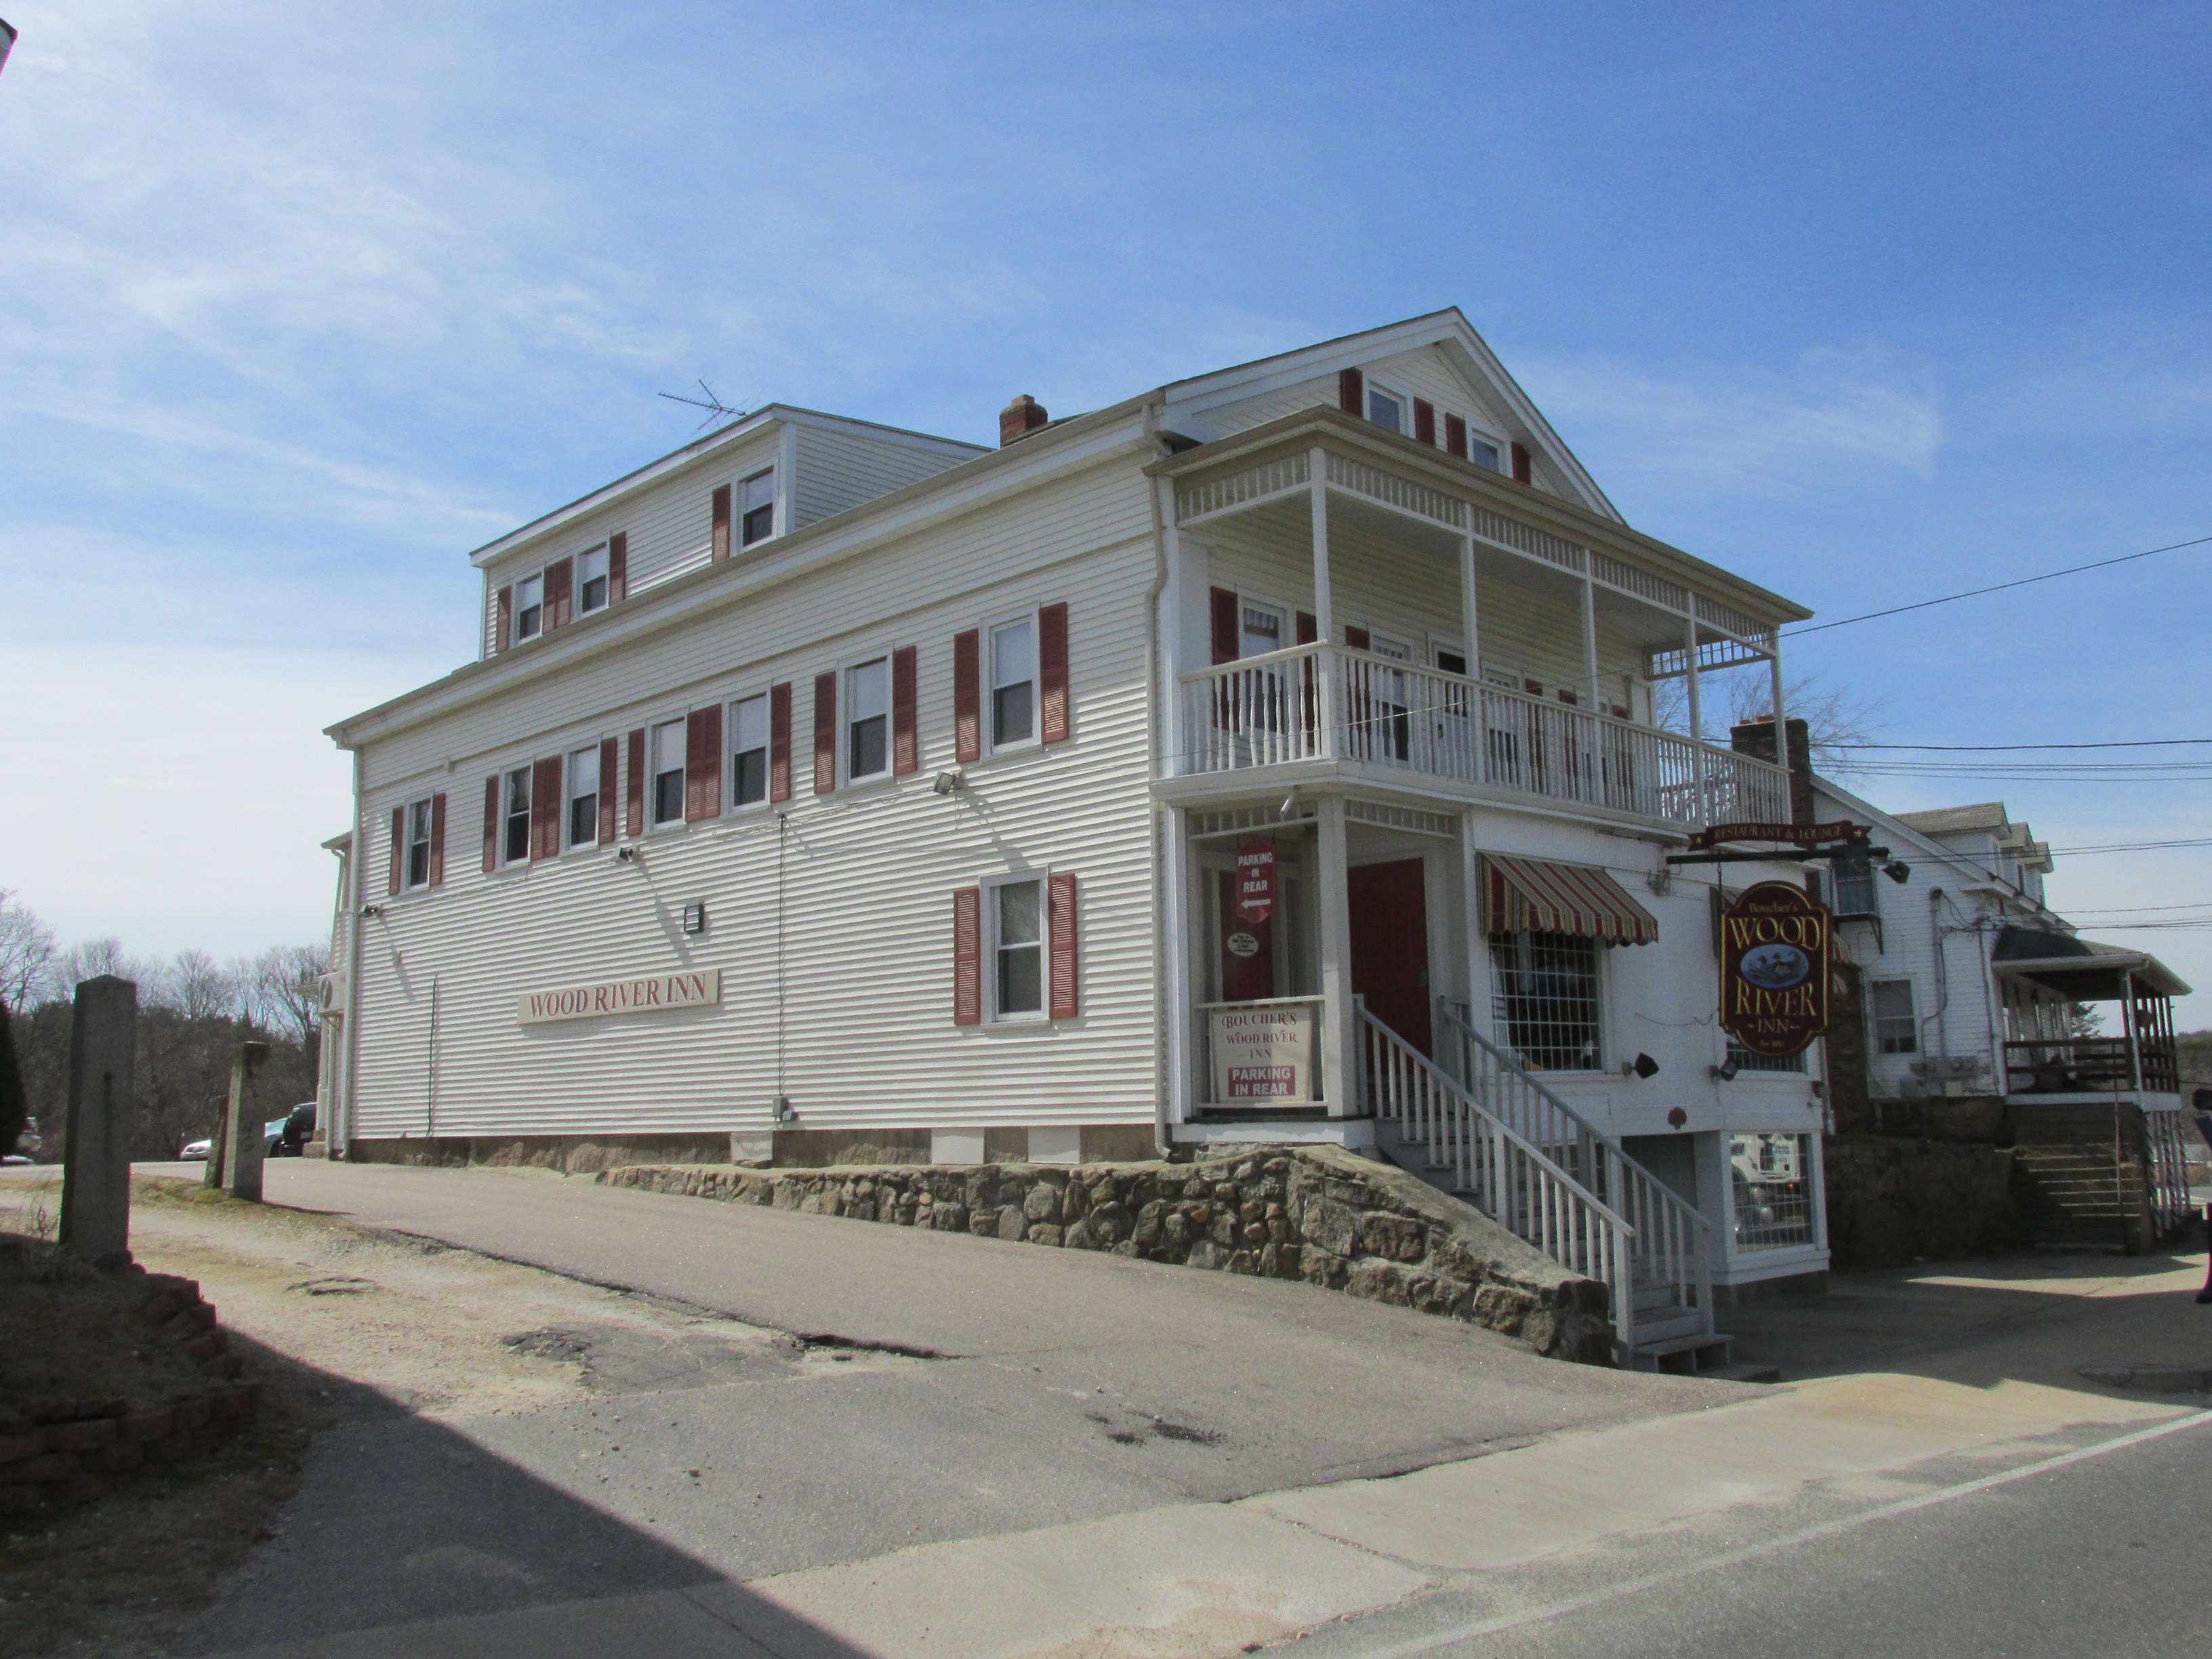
(1700, 1355)
(1670, 1323)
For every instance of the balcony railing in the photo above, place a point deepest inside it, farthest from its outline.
(2091, 1066)
(1328, 702)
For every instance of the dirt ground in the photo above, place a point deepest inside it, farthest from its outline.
(339, 1321)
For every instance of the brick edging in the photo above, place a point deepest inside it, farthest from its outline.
(55, 1454)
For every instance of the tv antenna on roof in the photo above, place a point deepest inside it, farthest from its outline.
(715, 407)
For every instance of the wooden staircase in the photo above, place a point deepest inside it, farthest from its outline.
(1496, 1138)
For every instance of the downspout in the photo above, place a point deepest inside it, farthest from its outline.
(351, 1015)
(1163, 702)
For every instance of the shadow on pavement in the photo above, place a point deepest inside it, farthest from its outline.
(399, 1520)
(2037, 1317)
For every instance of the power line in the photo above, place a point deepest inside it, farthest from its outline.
(1975, 592)
(2129, 847)
(1979, 748)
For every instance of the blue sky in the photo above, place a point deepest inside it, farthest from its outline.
(298, 304)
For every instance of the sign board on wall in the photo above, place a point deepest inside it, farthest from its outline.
(621, 996)
(1255, 879)
(1263, 1055)
(1776, 958)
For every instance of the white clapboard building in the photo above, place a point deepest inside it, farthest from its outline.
(1268, 757)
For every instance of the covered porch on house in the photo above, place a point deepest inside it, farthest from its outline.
(1347, 604)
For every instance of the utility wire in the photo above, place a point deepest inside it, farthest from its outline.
(2131, 847)
(1975, 592)
(1980, 748)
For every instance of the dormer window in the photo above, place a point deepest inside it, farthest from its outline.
(1386, 409)
(529, 607)
(592, 580)
(758, 507)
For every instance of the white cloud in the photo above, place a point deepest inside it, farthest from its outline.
(1744, 432)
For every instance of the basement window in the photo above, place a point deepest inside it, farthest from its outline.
(1770, 1177)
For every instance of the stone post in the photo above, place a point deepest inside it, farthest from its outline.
(241, 1126)
(96, 1144)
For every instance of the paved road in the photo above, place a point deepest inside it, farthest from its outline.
(1048, 1387)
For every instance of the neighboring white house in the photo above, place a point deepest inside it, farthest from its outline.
(1269, 755)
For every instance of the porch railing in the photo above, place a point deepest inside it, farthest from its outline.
(2079, 1066)
(1671, 1244)
(1329, 702)
(1506, 1175)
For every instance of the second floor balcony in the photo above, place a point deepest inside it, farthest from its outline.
(1316, 703)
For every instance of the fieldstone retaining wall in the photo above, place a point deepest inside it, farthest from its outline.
(55, 1454)
(1891, 1202)
(1336, 1220)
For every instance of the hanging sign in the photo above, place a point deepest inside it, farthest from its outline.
(1793, 835)
(1255, 879)
(1776, 954)
(1263, 1055)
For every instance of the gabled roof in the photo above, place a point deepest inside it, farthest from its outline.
(1953, 820)
(1450, 330)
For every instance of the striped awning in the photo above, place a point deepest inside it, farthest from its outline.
(1563, 899)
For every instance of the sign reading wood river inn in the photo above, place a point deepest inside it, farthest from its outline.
(1775, 960)
(621, 996)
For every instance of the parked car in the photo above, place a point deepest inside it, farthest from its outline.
(197, 1152)
(290, 1134)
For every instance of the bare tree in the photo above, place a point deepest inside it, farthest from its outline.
(27, 954)
(280, 992)
(1834, 718)
(198, 989)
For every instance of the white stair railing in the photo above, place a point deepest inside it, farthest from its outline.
(1672, 1241)
(1511, 1180)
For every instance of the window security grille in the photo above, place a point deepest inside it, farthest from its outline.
(1748, 1062)
(1544, 997)
(1771, 1178)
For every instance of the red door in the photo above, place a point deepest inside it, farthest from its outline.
(1390, 944)
(1248, 948)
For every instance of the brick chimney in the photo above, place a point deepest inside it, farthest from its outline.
(1756, 738)
(1019, 418)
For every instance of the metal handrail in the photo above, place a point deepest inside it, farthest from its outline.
(1672, 1243)
(1510, 1178)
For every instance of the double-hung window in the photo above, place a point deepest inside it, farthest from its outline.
(529, 607)
(749, 750)
(1895, 1030)
(592, 580)
(667, 763)
(515, 816)
(1386, 409)
(418, 844)
(1017, 920)
(1013, 682)
(759, 508)
(1545, 993)
(868, 719)
(584, 797)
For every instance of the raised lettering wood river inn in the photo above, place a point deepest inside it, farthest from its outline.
(1269, 756)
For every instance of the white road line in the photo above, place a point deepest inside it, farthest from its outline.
(1774, 1546)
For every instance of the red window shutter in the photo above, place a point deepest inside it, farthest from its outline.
(1425, 421)
(560, 588)
(634, 796)
(1309, 627)
(967, 696)
(825, 733)
(779, 742)
(1358, 639)
(968, 956)
(491, 825)
(606, 790)
(1052, 673)
(398, 849)
(1061, 925)
(502, 628)
(1226, 632)
(1351, 392)
(906, 737)
(1523, 473)
(618, 566)
(721, 522)
(1455, 436)
(703, 764)
(437, 840)
(546, 809)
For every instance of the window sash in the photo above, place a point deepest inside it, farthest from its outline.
(1386, 410)
(758, 509)
(749, 751)
(592, 580)
(1770, 1178)
(1545, 995)
(418, 843)
(529, 607)
(668, 759)
(1017, 927)
(868, 697)
(515, 845)
(584, 797)
(1013, 682)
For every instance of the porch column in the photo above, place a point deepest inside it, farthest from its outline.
(1324, 612)
(1589, 641)
(1339, 1032)
(1697, 717)
(1173, 761)
(1781, 726)
(1478, 940)
(2128, 1029)
(1469, 616)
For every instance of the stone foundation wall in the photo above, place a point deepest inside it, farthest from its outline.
(1891, 1202)
(1336, 1220)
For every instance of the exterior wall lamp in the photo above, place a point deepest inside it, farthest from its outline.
(1642, 1066)
(947, 782)
(371, 910)
(1726, 1073)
